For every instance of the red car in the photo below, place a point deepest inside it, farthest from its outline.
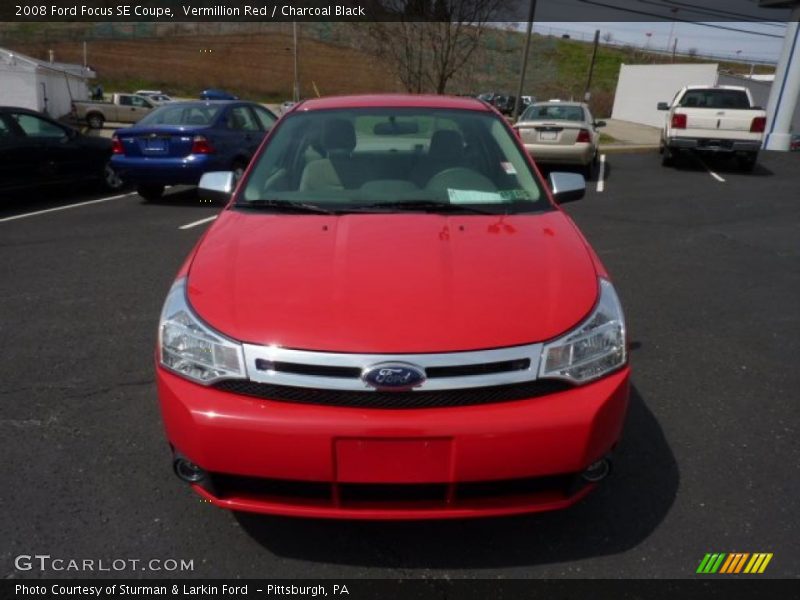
(392, 319)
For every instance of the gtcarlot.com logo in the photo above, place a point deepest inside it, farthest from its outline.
(732, 563)
(46, 562)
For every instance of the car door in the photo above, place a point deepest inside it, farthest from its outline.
(56, 157)
(17, 157)
(243, 132)
(141, 106)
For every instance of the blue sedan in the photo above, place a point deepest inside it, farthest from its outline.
(176, 143)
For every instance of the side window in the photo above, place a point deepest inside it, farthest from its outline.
(139, 102)
(266, 118)
(5, 131)
(39, 128)
(241, 119)
(126, 100)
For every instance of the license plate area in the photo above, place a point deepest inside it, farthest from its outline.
(548, 136)
(427, 460)
(156, 144)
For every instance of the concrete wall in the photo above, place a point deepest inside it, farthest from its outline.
(760, 91)
(641, 87)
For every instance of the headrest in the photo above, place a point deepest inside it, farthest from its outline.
(446, 144)
(338, 134)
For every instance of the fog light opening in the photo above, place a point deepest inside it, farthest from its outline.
(188, 471)
(597, 471)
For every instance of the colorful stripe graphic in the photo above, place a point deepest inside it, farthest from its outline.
(734, 562)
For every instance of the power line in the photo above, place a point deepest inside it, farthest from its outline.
(674, 18)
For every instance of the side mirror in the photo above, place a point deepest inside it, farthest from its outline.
(567, 187)
(663, 106)
(599, 124)
(216, 186)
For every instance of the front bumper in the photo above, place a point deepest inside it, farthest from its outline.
(712, 145)
(327, 461)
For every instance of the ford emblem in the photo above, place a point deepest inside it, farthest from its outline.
(394, 376)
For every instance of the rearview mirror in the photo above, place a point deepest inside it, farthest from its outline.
(599, 123)
(567, 187)
(216, 186)
(663, 106)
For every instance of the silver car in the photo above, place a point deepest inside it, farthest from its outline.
(561, 133)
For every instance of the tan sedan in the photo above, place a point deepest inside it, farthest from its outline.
(561, 133)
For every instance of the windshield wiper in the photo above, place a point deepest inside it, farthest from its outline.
(285, 205)
(429, 205)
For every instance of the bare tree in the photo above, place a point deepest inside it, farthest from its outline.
(430, 40)
(692, 52)
(608, 37)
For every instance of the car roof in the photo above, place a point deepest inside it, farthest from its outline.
(558, 103)
(393, 101)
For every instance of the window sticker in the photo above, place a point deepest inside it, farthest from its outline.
(508, 168)
(474, 197)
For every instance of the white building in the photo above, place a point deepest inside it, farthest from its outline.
(48, 87)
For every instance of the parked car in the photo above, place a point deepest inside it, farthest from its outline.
(123, 108)
(719, 120)
(148, 92)
(158, 98)
(178, 142)
(392, 319)
(212, 94)
(563, 133)
(794, 144)
(37, 151)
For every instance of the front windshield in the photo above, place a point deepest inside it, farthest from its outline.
(353, 160)
(182, 114)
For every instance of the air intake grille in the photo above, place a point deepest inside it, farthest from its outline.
(395, 400)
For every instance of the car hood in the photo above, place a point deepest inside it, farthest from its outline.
(397, 283)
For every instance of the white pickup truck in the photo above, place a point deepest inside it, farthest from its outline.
(715, 120)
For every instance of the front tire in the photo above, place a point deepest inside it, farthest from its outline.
(150, 192)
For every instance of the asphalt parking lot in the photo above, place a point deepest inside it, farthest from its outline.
(706, 261)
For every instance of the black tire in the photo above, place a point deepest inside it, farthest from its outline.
(150, 192)
(95, 120)
(111, 181)
(590, 170)
(747, 163)
(667, 157)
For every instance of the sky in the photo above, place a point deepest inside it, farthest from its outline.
(762, 42)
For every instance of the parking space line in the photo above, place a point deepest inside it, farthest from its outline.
(601, 173)
(68, 206)
(710, 172)
(196, 223)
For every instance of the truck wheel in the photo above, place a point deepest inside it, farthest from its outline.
(667, 157)
(150, 192)
(95, 120)
(747, 163)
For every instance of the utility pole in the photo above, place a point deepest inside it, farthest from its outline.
(587, 92)
(518, 99)
(674, 49)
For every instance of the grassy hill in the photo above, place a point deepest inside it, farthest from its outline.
(255, 60)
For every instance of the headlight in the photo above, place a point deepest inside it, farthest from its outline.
(191, 348)
(594, 348)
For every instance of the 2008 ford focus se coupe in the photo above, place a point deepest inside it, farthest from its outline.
(392, 319)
